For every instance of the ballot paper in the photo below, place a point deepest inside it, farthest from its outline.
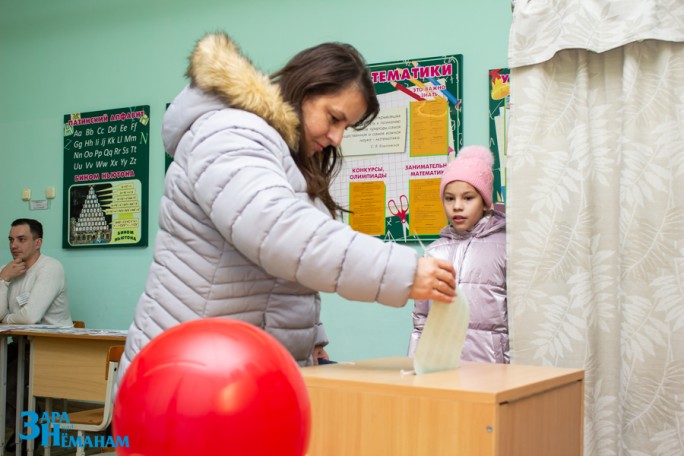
(440, 345)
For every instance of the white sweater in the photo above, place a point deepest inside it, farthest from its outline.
(37, 297)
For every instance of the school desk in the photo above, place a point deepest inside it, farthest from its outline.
(377, 407)
(64, 362)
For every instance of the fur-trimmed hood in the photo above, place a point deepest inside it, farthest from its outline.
(218, 68)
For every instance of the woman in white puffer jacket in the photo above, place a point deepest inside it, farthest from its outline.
(245, 224)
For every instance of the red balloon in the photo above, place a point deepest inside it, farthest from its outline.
(213, 386)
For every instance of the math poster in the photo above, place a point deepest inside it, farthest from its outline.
(391, 170)
(499, 108)
(106, 168)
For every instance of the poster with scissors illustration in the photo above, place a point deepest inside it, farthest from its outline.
(389, 180)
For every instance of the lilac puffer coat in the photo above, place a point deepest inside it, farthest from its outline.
(479, 258)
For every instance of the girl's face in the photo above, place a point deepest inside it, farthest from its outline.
(325, 117)
(463, 205)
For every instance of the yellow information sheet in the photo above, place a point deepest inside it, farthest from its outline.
(425, 207)
(429, 127)
(367, 204)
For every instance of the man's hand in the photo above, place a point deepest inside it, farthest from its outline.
(13, 269)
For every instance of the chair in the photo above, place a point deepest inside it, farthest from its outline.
(98, 419)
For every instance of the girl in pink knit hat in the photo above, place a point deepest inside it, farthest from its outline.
(475, 243)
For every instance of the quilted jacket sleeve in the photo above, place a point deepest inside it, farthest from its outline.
(241, 180)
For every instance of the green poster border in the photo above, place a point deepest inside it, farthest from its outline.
(496, 78)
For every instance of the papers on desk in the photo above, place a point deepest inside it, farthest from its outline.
(441, 343)
(56, 329)
(7, 328)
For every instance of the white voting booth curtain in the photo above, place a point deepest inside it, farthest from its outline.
(595, 211)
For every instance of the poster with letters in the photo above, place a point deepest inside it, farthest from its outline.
(106, 167)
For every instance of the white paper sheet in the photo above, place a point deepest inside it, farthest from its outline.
(441, 343)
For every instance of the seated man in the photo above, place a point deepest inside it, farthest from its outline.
(32, 286)
(32, 291)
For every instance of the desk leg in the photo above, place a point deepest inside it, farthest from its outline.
(30, 444)
(3, 389)
(21, 345)
(21, 362)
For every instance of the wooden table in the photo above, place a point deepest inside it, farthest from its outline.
(375, 407)
(64, 363)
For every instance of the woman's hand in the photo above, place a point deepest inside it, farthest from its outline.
(435, 279)
(319, 352)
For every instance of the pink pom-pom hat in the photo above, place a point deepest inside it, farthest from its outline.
(473, 165)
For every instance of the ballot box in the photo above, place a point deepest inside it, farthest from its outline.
(379, 407)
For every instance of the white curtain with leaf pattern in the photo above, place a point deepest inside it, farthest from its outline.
(595, 211)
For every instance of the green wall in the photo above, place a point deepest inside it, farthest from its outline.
(60, 57)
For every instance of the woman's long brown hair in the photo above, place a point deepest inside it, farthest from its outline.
(325, 69)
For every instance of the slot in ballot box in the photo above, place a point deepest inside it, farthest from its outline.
(374, 407)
